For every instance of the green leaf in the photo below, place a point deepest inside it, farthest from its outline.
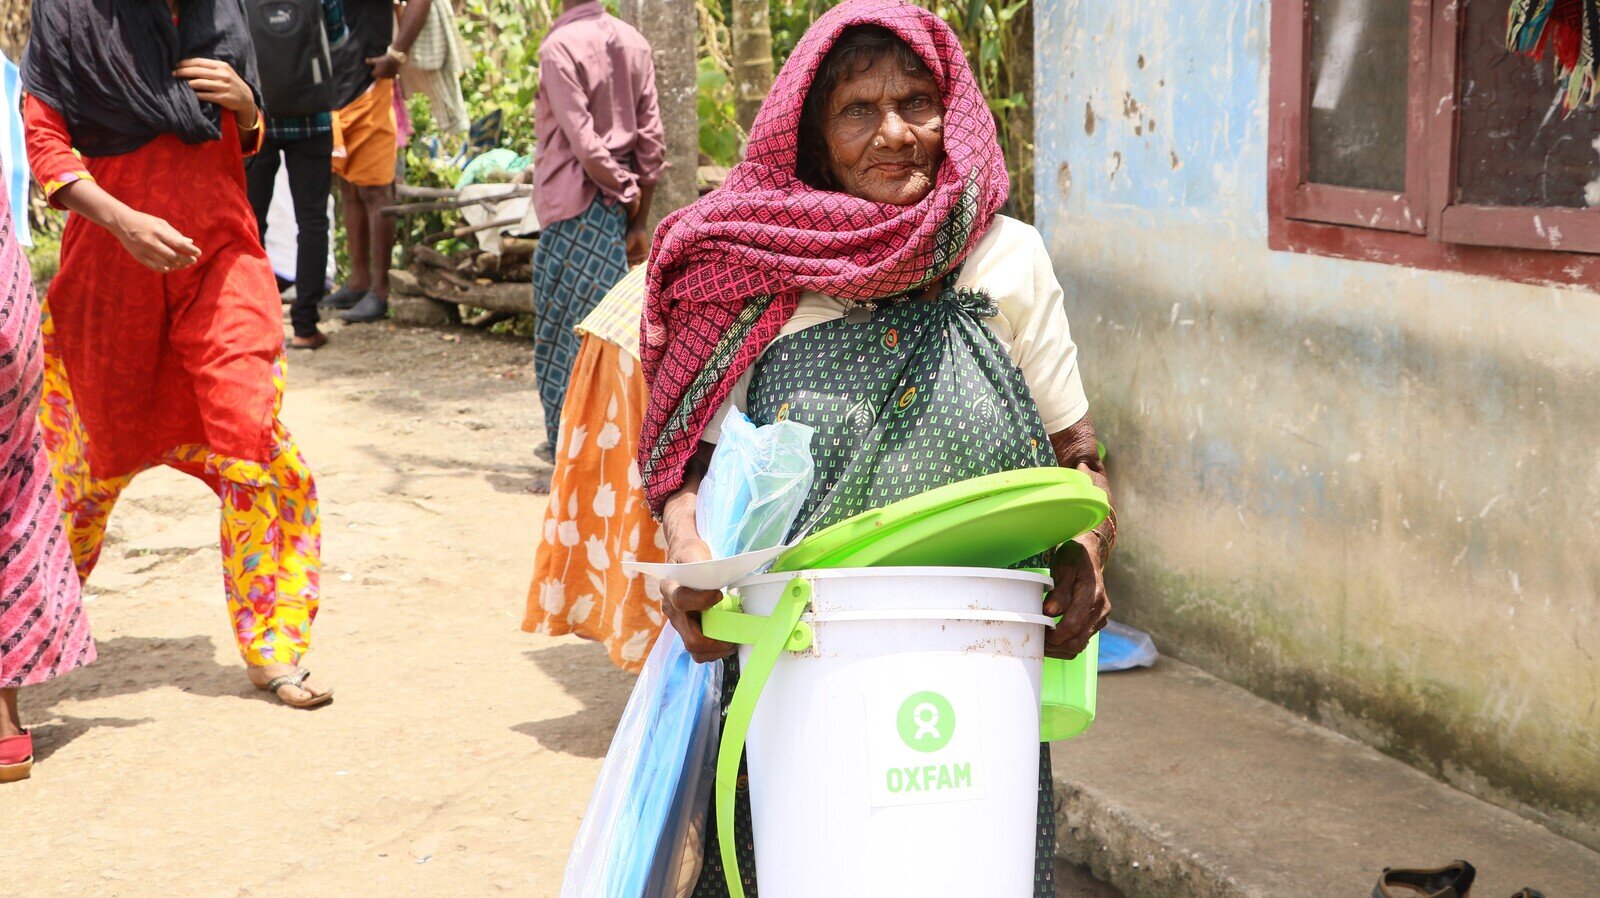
(712, 81)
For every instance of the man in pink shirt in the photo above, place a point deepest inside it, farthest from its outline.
(600, 154)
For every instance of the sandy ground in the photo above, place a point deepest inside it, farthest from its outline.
(458, 756)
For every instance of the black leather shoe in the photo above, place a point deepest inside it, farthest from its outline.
(343, 298)
(372, 307)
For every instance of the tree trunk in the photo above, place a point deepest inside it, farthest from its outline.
(752, 59)
(672, 34)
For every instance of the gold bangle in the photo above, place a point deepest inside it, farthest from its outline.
(1109, 539)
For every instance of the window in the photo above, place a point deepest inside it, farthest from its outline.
(1360, 162)
(1359, 95)
(1404, 131)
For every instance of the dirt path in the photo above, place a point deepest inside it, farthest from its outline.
(459, 754)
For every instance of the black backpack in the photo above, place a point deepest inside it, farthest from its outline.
(292, 56)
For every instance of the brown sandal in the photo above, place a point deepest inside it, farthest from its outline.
(1452, 881)
(296, 680)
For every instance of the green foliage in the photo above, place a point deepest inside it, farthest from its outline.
(425, 171)
(721, 138)
(502, 38)
(720, 135)
(44, 258)
(790, 19)
(43, 219)
(998, 38)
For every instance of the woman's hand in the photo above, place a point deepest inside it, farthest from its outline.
(684, 546)
(637, 241)
(156, 244)
(216, 82)
(638, 235)
(683, 605)
(1079, 597)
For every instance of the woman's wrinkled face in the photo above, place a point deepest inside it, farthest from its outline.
(884, 128)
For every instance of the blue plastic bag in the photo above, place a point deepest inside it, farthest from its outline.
(494, 163)
(1124, 648)
(650, 794)
(758, 479)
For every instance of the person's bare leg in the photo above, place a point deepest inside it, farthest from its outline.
(10, 718)
(357, 236)
(381, 230)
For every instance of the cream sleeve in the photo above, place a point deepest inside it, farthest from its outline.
(1041, 340)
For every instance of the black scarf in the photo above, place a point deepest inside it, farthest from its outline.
(106, 66)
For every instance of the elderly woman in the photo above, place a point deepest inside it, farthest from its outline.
(853, 275)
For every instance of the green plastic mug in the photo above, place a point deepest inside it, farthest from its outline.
(1067, 702)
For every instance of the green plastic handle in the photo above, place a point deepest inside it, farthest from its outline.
(776, 633)
(729, 624)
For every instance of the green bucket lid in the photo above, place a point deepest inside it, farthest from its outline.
(993, 521)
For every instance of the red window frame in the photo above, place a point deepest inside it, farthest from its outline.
(1421, 227)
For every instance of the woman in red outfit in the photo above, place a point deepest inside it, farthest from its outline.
(163, 330)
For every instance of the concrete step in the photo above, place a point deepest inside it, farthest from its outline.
(1189, 787)
(1073, 881)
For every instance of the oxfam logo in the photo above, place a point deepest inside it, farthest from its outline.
(926, 721)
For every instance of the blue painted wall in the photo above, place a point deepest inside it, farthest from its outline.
(1364, 491)
(1120, 97)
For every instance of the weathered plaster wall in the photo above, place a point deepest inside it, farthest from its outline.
(1368, 492)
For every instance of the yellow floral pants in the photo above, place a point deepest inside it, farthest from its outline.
(271, 530)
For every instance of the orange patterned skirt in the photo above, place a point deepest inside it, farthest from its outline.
(597, 518)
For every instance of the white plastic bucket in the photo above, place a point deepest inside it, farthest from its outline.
(899, 754)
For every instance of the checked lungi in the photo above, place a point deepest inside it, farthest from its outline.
(577, 262)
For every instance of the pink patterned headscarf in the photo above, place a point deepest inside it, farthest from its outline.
(727, 272)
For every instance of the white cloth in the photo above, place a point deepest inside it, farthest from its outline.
(1011, 265)
(520, 207)
(283, 234)
(436, 44)
(434, 69)
(13, 151)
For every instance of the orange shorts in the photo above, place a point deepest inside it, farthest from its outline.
(364, 137)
